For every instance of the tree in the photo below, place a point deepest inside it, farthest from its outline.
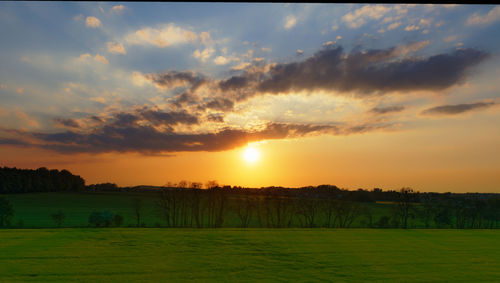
(58, 218)
(403, 206)
(6, 212)
(137, 205)
(244, 208)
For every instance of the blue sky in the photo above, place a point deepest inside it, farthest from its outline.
(74, 74)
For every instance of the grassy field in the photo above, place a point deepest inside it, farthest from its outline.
(34, 209)
(340, 255)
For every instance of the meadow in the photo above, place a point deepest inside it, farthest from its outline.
(244, 255)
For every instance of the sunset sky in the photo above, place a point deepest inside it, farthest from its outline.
(358, 96)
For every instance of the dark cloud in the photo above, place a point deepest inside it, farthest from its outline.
(457, 108)
(173, 79)
(70, 123)
(215, 118)
(372, 71)
(218, 103)
(147, 139)
(235, 82)
(362, 72)
(389, 109)
(168, 118)
(120, 137)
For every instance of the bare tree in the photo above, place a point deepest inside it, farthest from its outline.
(404, 205)
(137, 205)
(308, 209)
(347, 212)
(245, 205)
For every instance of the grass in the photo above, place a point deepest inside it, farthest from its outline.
(245, 255)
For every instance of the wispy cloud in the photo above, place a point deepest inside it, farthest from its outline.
(162, 36)
(388, 109)
(361, 16)
(481, 19)
(456, 108)
(290, 22)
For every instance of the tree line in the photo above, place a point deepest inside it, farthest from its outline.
(193, 204)
(13, 180)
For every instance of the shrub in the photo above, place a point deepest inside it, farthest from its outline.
(101, 219)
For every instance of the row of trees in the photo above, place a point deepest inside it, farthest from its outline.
(310, 208)
(13, 180)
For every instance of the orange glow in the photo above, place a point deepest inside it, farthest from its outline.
(251, 155)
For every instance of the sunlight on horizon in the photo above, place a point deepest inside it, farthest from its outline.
(251, 155)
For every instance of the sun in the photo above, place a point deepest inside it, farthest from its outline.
(251, 154)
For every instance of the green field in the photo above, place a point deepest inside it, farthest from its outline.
(34, 209)
(158, 255)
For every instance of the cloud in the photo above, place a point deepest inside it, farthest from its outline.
(456, 108)
(205, 37)
(300, 51)
(116, 48)
(218, 103)
(118, 8)
(360, 16)
(389, 109)
(215, 118)
(78, 17)
(393, 26)
(266, 49)
(163, 36)
(479, 19)
(173, 79)
(412, 28)
(101, 100)
(204, 55)
(67, 123)
(139, 79)
(92, 22)
(20, 90)
(450, 38)
(405, 49)
(371, 72)
(241, 66)
(221, 60)
(125, 133)
(100, 59)
(290, 22)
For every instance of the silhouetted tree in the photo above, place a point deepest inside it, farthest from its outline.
(403, 206)
(346, 212)
(137, 206)
(307, 209)
(244, 207)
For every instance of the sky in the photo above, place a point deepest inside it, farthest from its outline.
(255, 94)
